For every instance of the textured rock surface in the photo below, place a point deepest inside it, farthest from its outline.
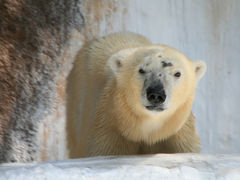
(34, 36)
(164, 166)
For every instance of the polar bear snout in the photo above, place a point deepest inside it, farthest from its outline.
(155, 93)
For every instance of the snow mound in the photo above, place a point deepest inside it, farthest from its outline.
(159, 166)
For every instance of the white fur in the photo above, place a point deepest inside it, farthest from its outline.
(200, 69)
(116, 60)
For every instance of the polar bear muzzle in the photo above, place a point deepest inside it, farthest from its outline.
(155, 93)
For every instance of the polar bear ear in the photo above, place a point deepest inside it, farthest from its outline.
(115, 62)
(200, 69)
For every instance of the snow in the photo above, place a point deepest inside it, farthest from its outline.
(160, 166)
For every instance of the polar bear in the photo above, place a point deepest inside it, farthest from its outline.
(126, 96)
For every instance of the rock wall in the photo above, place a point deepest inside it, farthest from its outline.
(34, 62)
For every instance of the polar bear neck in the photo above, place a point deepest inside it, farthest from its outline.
(140, 127)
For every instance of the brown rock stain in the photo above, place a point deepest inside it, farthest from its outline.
(61, 89)
(99, 11)
(43, 152)
(7, 86)
(14, 7)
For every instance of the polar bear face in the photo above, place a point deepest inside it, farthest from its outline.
(156, 78)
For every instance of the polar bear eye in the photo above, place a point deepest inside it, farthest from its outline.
(177, 74)
(141, 71)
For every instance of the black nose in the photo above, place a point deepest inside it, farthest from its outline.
(155, 93)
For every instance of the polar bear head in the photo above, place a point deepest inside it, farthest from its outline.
(156, 78)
